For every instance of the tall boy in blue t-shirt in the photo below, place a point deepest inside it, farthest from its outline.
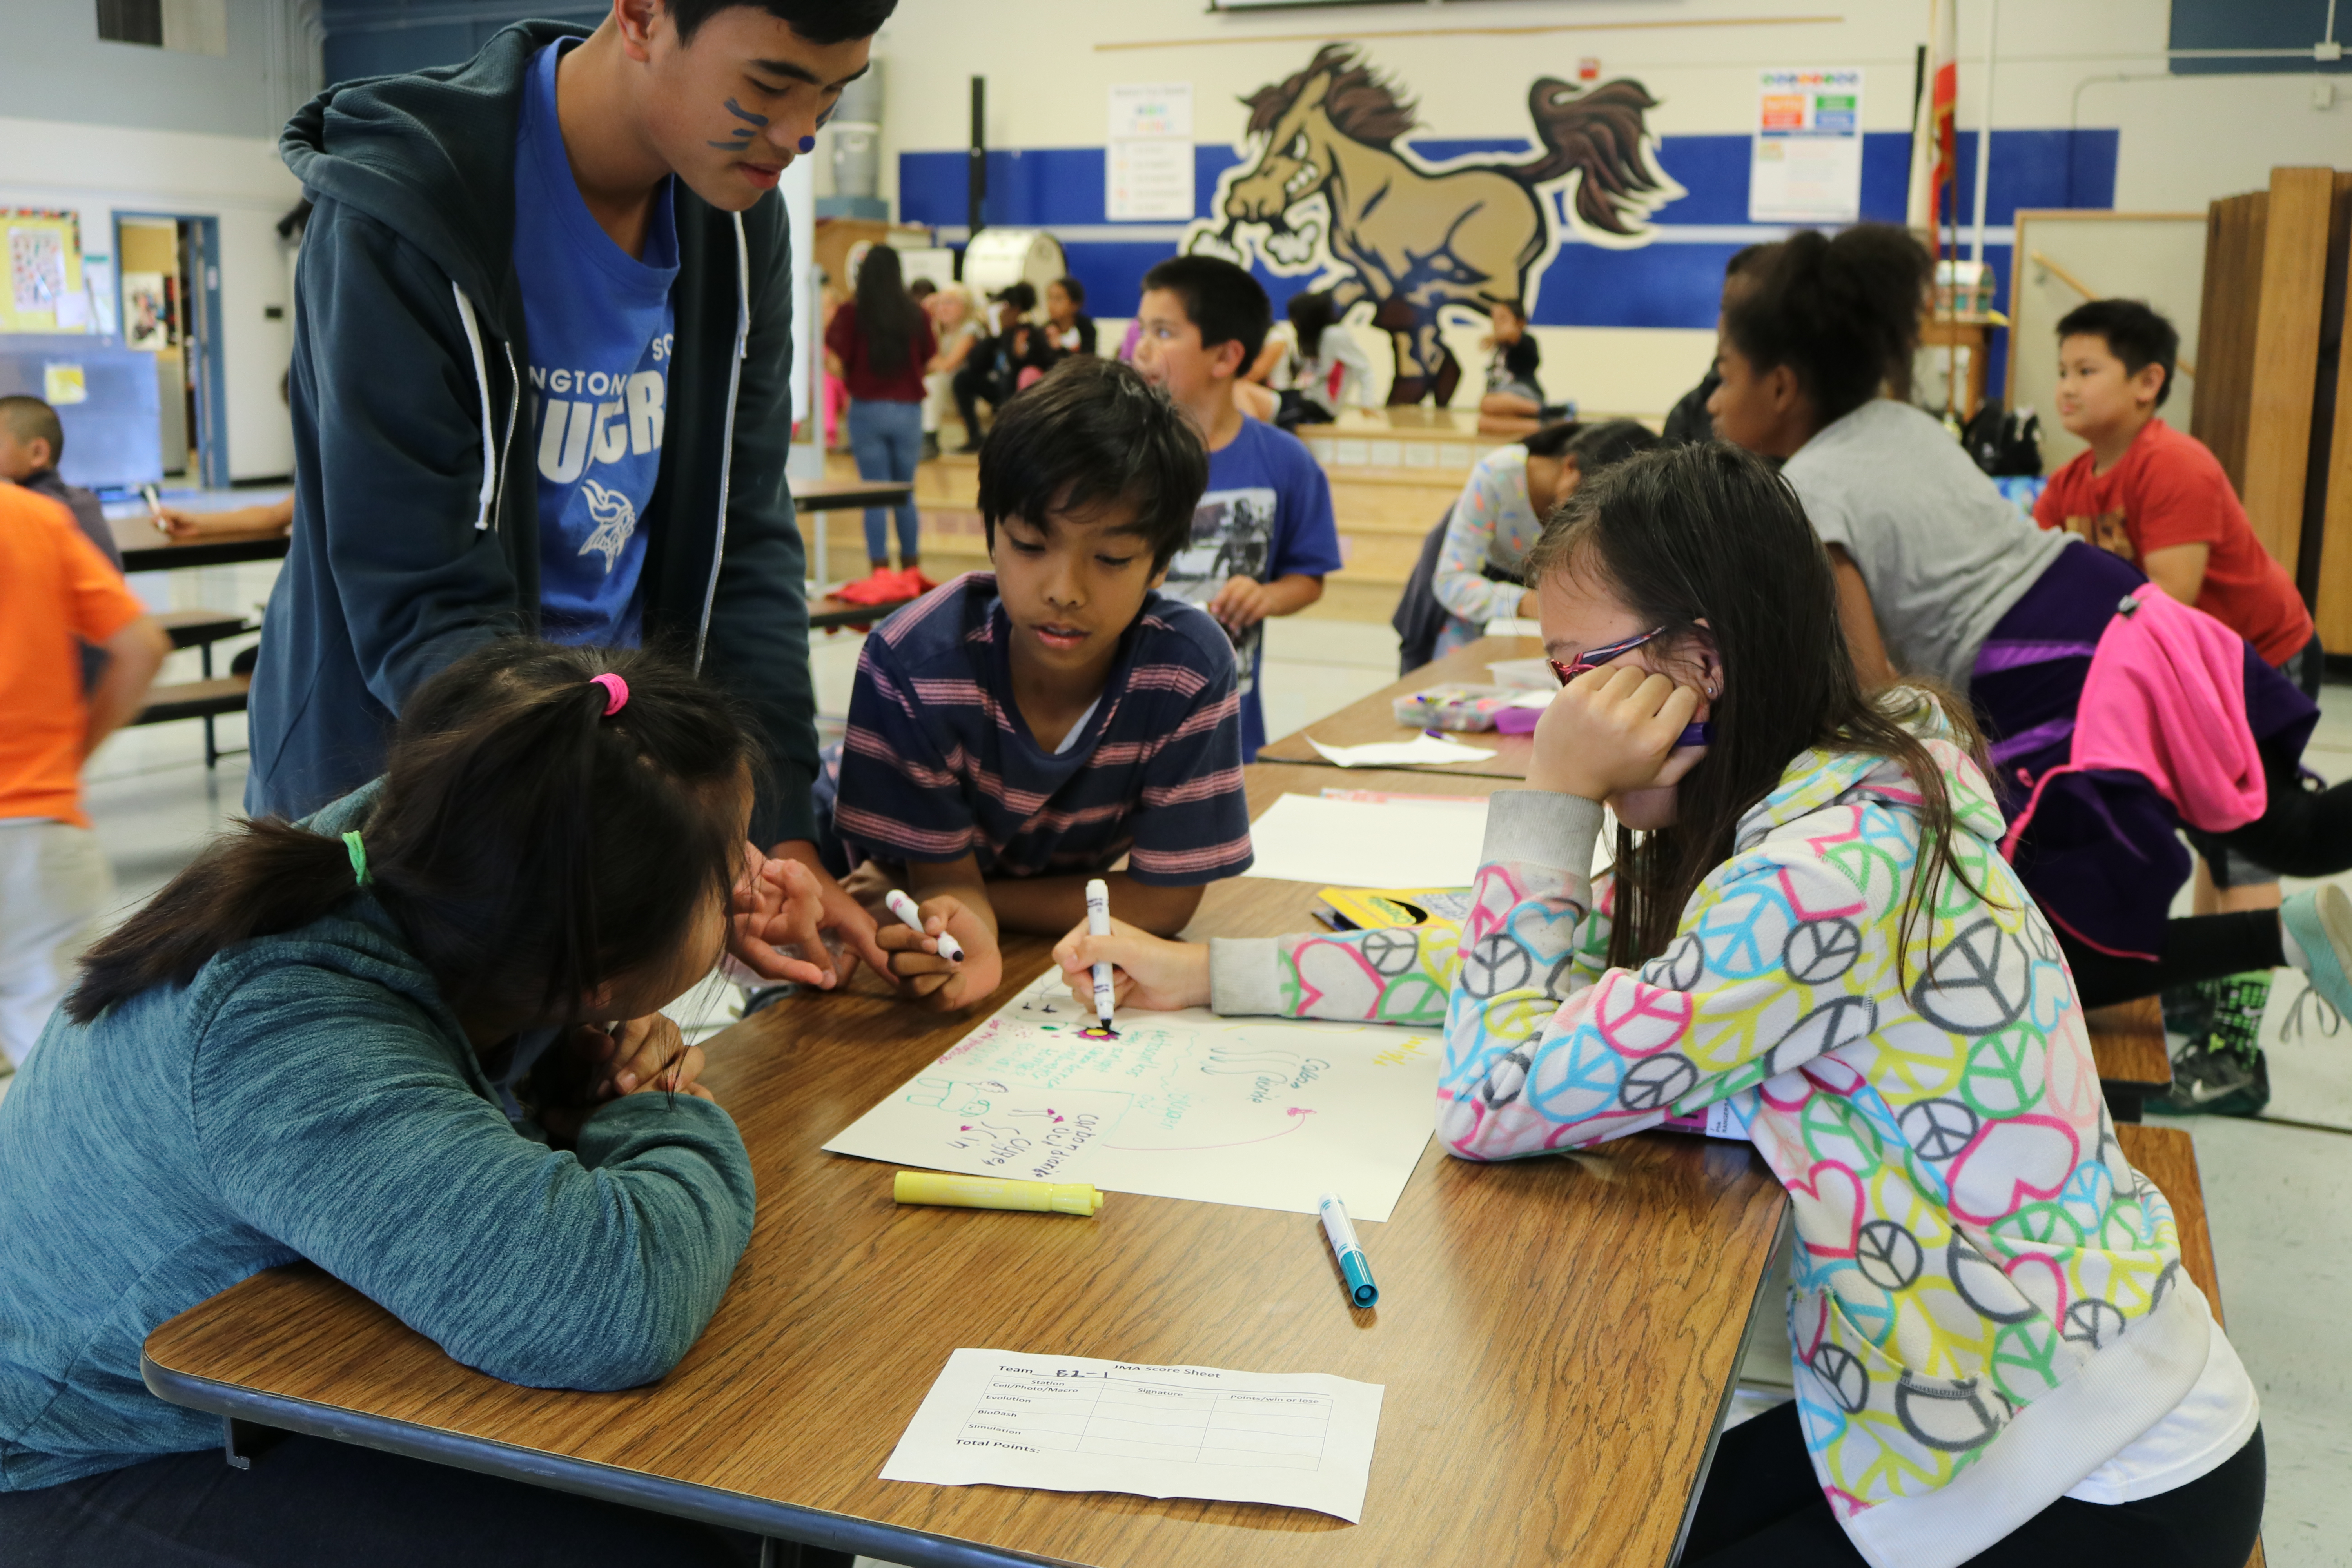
(1263, 537)
(1017, 731)
(541, 385)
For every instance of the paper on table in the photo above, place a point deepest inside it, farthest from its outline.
(1390, 753)
(1075, 1424)
(1355, 844)
(1266, 1113)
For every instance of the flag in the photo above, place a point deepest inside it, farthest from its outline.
(1934, 156)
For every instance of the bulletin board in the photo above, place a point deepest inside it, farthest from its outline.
(2060, 259)
(45, 292)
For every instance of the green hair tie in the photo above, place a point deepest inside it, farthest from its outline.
(359, 859)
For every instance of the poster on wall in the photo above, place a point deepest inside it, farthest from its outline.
(1420, 241)
(146, 311)
(1805, 165)
(1148, 154)
(45, 287)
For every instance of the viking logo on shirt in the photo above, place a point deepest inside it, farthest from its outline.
(615, 520)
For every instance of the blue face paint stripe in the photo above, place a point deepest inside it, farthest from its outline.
(740, 113)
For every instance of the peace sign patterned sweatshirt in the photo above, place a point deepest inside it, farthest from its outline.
(1989, 1307)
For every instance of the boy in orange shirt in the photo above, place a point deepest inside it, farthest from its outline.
(2158, 499)
(56, 591)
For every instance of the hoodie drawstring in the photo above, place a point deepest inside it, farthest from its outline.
(491, 453)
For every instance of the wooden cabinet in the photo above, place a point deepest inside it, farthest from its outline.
(2270, 399)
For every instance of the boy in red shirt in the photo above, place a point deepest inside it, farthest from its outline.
(56, 591)
(2156, 496)
(2158, 499)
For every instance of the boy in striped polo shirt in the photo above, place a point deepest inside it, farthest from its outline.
(1014, 733)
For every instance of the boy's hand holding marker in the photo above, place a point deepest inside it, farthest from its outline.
(1612, 732)
(941, 954)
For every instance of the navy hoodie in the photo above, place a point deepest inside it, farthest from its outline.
(415, 513)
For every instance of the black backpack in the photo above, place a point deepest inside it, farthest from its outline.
(2004, 444)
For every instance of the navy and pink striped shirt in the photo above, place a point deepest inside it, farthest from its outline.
(939, 762)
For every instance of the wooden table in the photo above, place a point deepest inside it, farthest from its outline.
(2128, 1044)
(1374, 717)
(1558, 1337)
(145, 549)
(829, 614)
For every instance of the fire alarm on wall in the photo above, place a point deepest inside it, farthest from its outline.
(1588, 68)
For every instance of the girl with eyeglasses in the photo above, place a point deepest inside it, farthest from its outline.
(1808, 920)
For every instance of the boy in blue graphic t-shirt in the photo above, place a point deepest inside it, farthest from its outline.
(1262, 536)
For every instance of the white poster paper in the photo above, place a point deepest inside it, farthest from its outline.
(1148, 152)
(1421, 749)
(1370, 844)
(1805, 165)
(1266, 1113)
(1077, 1424)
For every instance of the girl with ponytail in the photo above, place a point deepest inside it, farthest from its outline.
(382, 1040)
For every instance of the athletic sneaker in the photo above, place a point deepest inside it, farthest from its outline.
(2320, 922)
(2210, 1081)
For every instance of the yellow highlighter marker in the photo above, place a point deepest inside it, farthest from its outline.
(995, 1193)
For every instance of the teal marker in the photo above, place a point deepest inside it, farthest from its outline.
(1353, 1265)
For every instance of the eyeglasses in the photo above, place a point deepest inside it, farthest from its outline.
(1594, 658)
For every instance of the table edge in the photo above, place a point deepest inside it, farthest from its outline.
(208, 552)
(1755, 1314)
(587, 1477)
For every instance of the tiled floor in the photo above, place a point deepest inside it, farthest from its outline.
(2282, 1226)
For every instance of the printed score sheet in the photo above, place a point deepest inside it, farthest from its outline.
(1263, 1112)
(1076, 1424)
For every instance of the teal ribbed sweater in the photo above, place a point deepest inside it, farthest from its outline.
(308, 1096)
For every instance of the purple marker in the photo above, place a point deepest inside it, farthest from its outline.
(1696, 734)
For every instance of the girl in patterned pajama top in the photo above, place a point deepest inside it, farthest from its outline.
(1996, 1349)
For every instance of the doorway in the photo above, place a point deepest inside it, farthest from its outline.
(168, 267)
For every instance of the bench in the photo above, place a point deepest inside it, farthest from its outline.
(208, 699)
(2128, 1044)
(2166, 1156)
(205, 699)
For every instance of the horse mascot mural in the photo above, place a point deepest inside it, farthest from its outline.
(1328, 191)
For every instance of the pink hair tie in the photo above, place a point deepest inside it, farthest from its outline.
(616, 692)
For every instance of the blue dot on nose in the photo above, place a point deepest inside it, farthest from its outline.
(808, 143)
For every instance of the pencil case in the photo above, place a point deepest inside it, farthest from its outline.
(1452, 706)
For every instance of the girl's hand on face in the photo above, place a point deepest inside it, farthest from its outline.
(642, 1055)
(922, 975)
(1147, 971)
(1611, 731)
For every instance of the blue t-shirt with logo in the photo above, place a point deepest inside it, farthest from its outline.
(599, 325)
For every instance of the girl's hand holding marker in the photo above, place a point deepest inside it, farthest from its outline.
(1147, 971)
